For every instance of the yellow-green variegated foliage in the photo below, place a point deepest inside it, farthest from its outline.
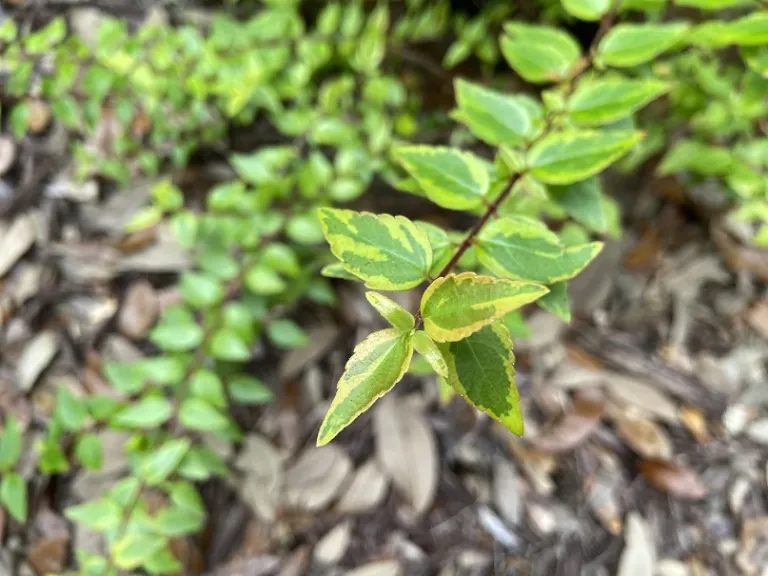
(386, 252)
(377, 364)
(458, 305)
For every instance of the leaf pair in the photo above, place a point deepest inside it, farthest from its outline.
(462, 313)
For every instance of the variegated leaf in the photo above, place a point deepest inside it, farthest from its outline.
(425, 346)
(386, 252)
(391, 311)
(455, 306)
(481, 369)
(521, 248)
(376, 365)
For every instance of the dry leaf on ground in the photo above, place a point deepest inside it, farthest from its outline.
(316, 478)
(577, 424)
(674, 479)
(35, 358)
(332, 547)
(751, 557)
(639, 555)
(262, 482)
(48, 552)
(383, 568)
(7, 154)
(15, 241)
(139, 310)
(508, 491)
(603, 495)
(644, 436)
(642, 396)
(366, 491)
(407, 450)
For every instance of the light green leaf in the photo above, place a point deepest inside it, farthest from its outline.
(263, 280)
(425, 346)
(146, 413)
(391, 311)
(304, 229)
(249, 390)
(629, 45)
(750, 30)
(177, 330)
(337, 270)
(567, 157)
(173, 521)
(89, 452)
(286, 334)
(712, 4)
(442, 247)
(207, 385)
(163, 562)
(696, 157)
(200, 290)
(481, 369)
(282, 258)
(162, 462)
(376, 365)
(539, 54)
(583, 201)
(101, 515)
(556, 301)
(134, 549)
(450, 178)
(605, 101)
(10, 443)
(387, 252)
(521, 248)
(197, 414)
(756, 59)
(457, 305)
(588, 10)
(13, 495)
(185, 495)
(492, 116)
(226, 344)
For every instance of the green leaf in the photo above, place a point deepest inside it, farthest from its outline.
(286, 334)
(161, 463)
(261, 279)
(18, 119)
(185, 496)
(387, 252)
(425, 346)
(207, 385)
(589, 10)
(481, 369)
(175, 521)
(197, 414)
(201, 463)
(89, 451)
(629, 45)
(492, 116)
(604, 101)
(450, 178)
(539, 54)
(696, 157)
(521, 248)
(177, 330)
(219, 263)
(146, 413)
(756, 59)
(567, 157)
(750, 30)
(712, 5)
(133, 550)
(163, 562)
(101, 515)
(304, 229)
(583, 202)
(376, 365)
(13, 494)
(184, 226)
(556, 301)
(249, 390)
(226, 344)
(144, 218)
(337, 270)
(10, 443)
(200, 290)
(457, 305)
(167, 196)
(391, 311)
(282, 258)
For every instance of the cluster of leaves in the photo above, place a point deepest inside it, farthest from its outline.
(548, 153)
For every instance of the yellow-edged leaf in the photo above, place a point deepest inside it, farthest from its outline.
(376, 365)
(391, 311)
(481, 369)
(425, 346)
(386, 252)
(457, 305)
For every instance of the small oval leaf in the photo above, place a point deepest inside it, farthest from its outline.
(391, 311)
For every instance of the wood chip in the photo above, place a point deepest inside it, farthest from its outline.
(139, 310)
(39, 115)
(642, 397)
(758, 431)
(35, 358)
(7, 154)
(508, 491)
(604, 500)
(757, 318)
(639, 555)
(382, 568)
(333, 546)
(316, 478)
(262, 483)
(696, 423)
(577, 424)
(674, 479)
(644, 437)
(366, 491)
(15, 242)
(407, 450)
